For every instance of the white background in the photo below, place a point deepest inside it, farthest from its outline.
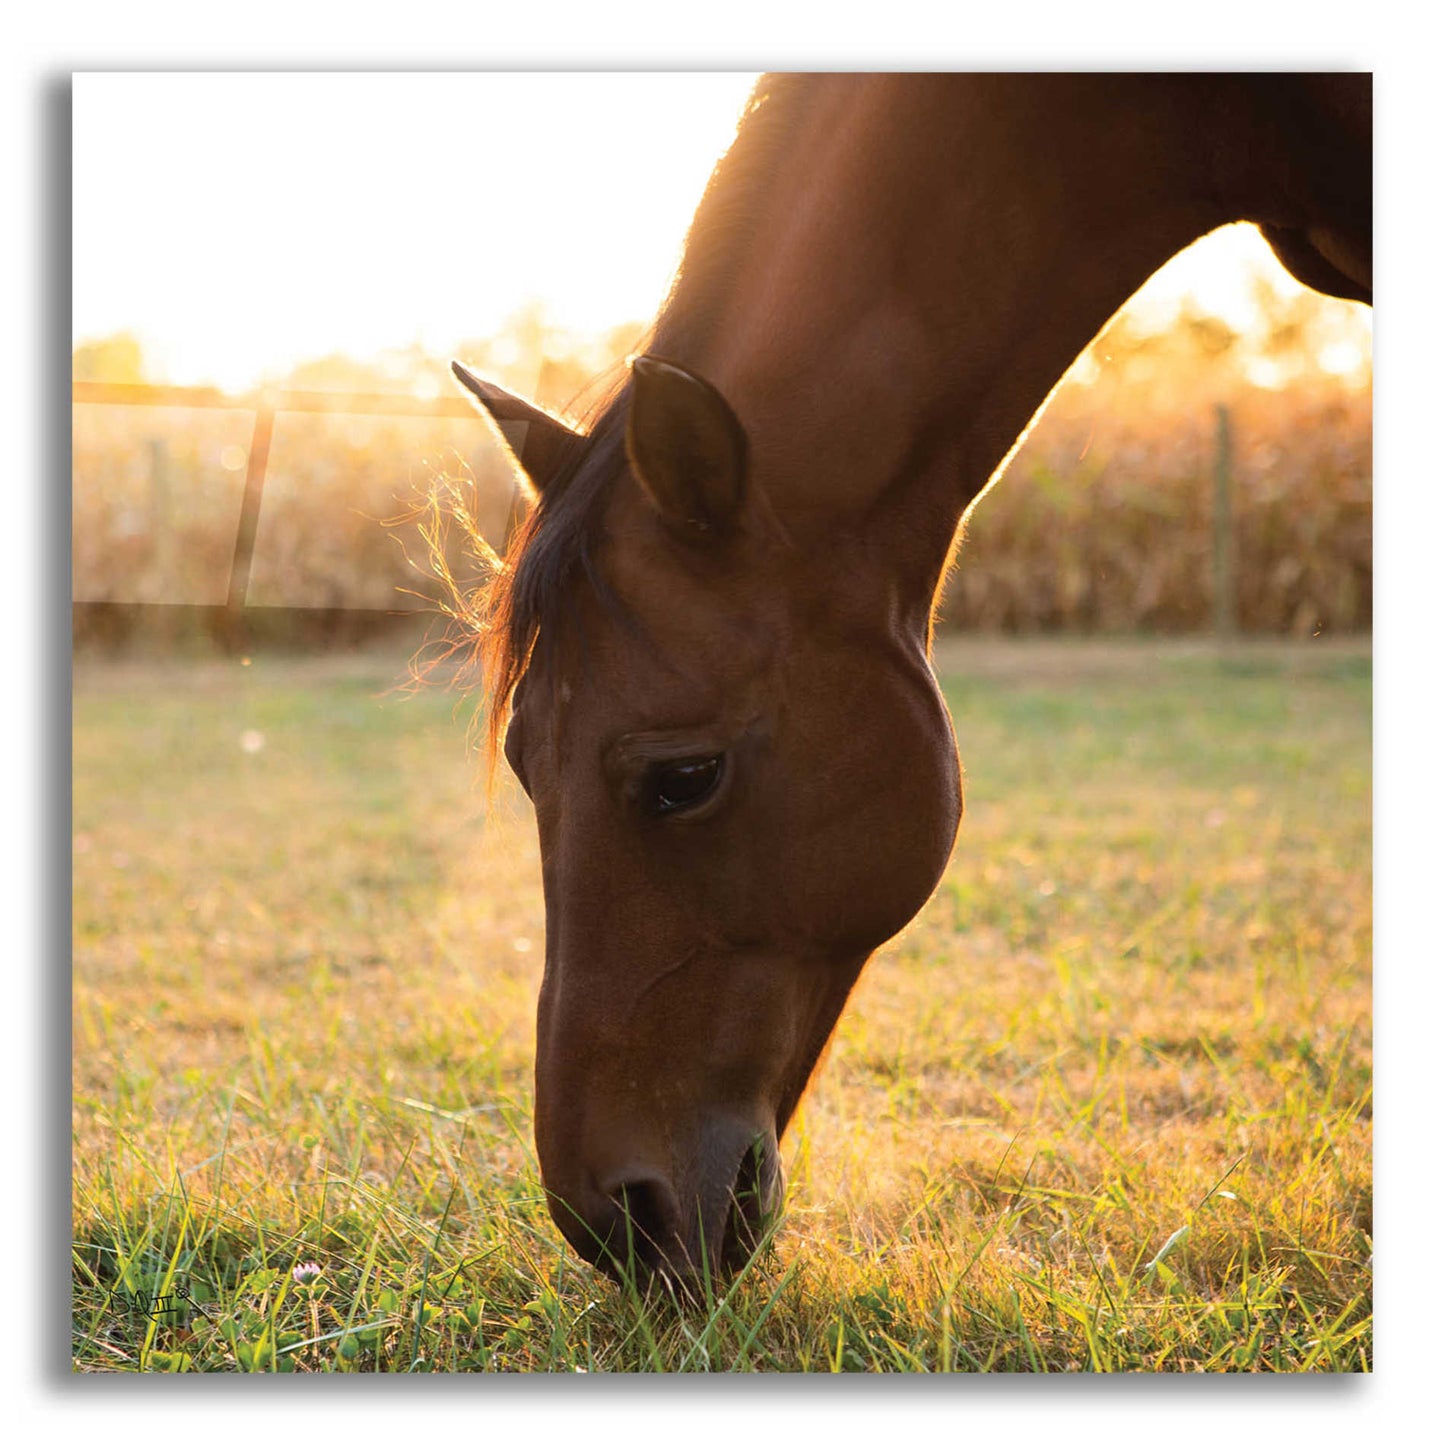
(43, 45)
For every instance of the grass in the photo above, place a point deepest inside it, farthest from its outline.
(1104, 1106)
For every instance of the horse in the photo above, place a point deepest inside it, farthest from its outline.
(707, 651)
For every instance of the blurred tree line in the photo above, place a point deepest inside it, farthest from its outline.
(1103, 522)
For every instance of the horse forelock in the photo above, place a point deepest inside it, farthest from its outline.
(549, 554)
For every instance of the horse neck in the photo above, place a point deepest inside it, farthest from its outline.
(931, 256)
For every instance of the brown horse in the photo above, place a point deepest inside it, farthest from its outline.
(713, 631)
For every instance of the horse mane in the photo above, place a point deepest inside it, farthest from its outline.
(554, 547)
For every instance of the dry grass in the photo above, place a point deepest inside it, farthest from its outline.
(1105, 1105)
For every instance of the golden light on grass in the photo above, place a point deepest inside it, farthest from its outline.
(1032, 1094)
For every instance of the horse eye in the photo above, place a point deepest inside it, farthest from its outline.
(671, 787)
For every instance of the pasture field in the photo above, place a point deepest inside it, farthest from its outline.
(1104, 1106)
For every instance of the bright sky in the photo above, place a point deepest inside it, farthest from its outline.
(240, 223)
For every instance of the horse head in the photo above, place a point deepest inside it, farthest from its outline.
(744, 780)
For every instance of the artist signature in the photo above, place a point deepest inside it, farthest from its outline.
(153, 1306)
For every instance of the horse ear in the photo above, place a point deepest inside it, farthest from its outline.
(539, 441)
(686, 446)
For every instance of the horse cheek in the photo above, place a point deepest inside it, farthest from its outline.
(905, 791)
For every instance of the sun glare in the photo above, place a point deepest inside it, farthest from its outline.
(291, 216)
(238, 225)
(1233, 275)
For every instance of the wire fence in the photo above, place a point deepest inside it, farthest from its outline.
(1247, 517)
(164, 543)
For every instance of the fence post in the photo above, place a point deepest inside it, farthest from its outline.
(233, 629)
(162, 585)
(161, 521)
(1225, 621)
(250, 505)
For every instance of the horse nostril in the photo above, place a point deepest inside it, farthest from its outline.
(755, 1198)
(647, 1224)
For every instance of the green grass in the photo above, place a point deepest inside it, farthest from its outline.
(1104, 1106)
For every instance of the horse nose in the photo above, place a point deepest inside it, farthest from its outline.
(709, 1219)
(630, 1226)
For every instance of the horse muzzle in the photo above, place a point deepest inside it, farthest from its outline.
(704, 1219)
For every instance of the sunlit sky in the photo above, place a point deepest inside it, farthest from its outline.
(240, 223)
